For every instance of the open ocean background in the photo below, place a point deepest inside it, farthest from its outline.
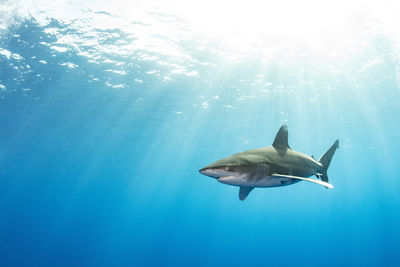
(108, 109)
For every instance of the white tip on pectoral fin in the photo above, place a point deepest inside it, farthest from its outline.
(327, 185)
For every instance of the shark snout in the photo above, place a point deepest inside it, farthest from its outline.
(215, 172)
(211, 172)
(203, 171)
(221, 168)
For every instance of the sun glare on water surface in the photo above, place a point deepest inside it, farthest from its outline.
(318, 25)
(239, 26)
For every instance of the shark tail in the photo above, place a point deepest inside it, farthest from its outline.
(325, 160)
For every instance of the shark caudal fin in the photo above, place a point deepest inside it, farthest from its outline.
(325, 160)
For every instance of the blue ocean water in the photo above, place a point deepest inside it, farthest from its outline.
(107, 116)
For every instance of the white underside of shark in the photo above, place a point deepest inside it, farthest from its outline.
(268, 181)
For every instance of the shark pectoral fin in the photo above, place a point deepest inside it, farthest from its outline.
(244, 192)
(327, 185)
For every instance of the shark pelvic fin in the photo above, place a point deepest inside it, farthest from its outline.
(327, 185)
(244, 192)
(281, 140)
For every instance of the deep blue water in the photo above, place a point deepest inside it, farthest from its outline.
(103, 132)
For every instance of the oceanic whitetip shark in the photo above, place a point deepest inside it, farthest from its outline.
(276, 165)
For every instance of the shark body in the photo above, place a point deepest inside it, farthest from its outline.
(276, 165)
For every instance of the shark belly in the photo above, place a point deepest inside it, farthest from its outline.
(265, 181)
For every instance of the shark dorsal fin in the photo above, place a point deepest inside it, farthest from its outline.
(281, 139)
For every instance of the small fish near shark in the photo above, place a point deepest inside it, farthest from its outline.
(276, 165)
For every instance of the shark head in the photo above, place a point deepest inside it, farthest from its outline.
(222, 168)
(233, 170)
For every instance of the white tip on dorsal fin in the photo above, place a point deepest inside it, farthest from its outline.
(327, 185)
(281, 139)
(244, 192)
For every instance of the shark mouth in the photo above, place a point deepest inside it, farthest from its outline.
(236, 180)
(225, 178)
